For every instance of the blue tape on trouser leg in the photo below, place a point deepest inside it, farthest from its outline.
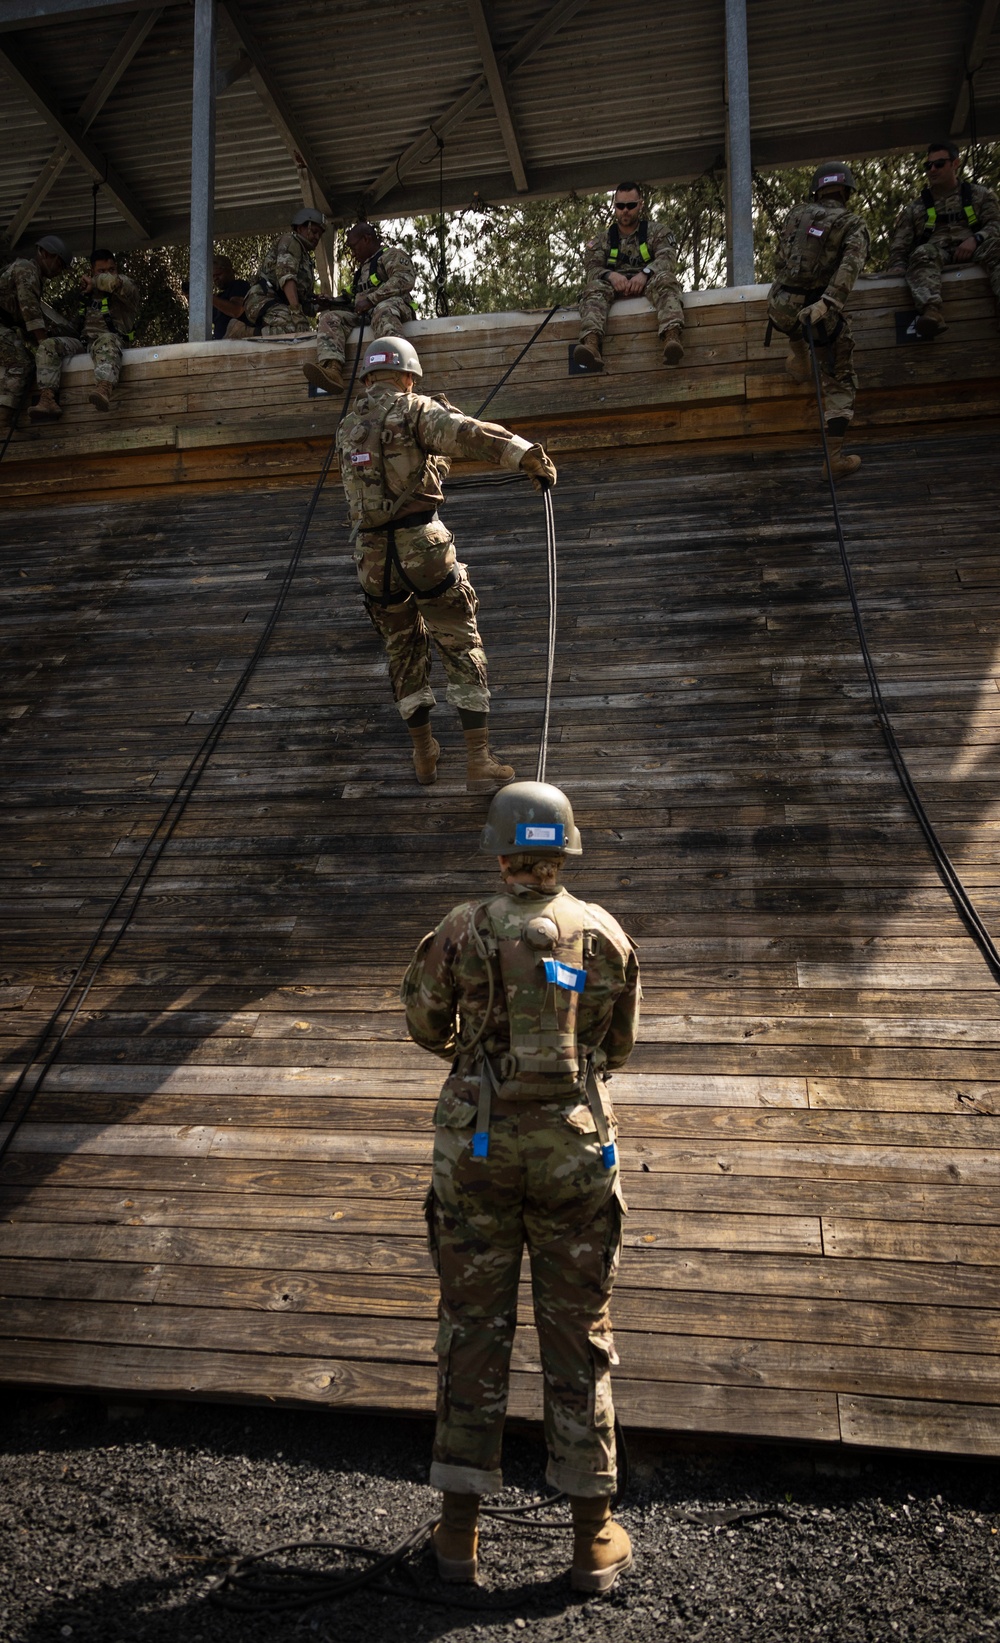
(481, 1144)
(609, 1155)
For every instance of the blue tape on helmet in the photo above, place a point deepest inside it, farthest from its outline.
(481, 1144)
(552, 834)
(564, 975)
(609, 1155)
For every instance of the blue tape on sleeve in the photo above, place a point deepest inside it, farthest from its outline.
(564, 975)
(481, 1144)
(609, 1155)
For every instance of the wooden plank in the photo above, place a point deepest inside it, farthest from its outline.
(913, 1423)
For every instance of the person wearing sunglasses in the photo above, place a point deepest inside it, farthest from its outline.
(633, 257)
(952, 221)
(822, 248)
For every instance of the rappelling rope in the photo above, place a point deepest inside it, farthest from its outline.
(106, 939)
(553, 579)
(949, 876)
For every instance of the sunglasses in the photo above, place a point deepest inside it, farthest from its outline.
(627, 205)
(937, 165)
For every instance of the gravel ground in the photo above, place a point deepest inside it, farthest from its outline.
(110, 1517)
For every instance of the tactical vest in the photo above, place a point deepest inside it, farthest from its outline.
(815, 250)
(615, 244)
(542, 970)
(264, 294)
(946, 219)
(110, 323)
(361, 446)
(375, 276)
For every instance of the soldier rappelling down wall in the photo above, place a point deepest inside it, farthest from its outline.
(23, 323)
(822, 250)
(632, 258)
(282, 298)
(953, 221)
(390, 446)
(384, 277)
(106, 308)
(533, 996)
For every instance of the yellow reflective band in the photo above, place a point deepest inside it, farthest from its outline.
(645, 253)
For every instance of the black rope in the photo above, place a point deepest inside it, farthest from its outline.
(441, 308)
(512, 368)
(105, 941)
(949, 876)
(552, 566)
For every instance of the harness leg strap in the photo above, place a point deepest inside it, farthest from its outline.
(481, 1139)
(609, 1152)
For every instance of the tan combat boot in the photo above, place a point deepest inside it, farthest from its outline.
(329, 376)
(798, 365)
(842, 465)
(484, 773)
(931, 322)
(100, 398)
(426, 752)
(601, 1548)
(673, 347)
(456, 1538)
(46, 407)
(588, 352)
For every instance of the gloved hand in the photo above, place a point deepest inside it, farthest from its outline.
(541, 470)
(815, 314)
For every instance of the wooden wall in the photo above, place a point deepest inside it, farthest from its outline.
(219, 1191)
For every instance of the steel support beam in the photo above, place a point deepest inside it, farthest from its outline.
(497, 83)
(278, 110)
(131, 41)
(739, 168)
(69, 130)
(470, 99)
(975, 54)
(202, 173)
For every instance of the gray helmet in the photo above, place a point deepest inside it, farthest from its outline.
(391, 354)
(307, 214)
(531, 817)
(55, 247)
(832, 175)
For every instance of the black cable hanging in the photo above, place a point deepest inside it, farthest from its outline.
(441, 308)
(948, 873)
(970, 80)
(106, 939)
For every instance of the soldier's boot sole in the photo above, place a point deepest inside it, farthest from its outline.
(930, 324)
(457, 1571)
(599, 1580)
(99, 400)
(601, 1549)
(455, 1539)
(673, 347)
(329, 377)
(588, 353)
(46, 408)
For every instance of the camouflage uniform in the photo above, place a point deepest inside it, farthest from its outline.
(289, 258)
(20, 308)
(662, 287)
(391, 276)
(543, 1183)
(107, 316)
(923, 263)
(386, 447)
(822, 248)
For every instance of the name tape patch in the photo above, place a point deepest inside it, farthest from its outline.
(553, 833)
(377, 359)
(836, 178)
(818, 232)
(360, 459)
(564, 975)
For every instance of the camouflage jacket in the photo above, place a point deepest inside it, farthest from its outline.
(951, 221)
(387, 443)
(390, 273)
(659, 240)
(822, 247)
(112, 304)
(446, 989)
(289, 258)
(21, 294)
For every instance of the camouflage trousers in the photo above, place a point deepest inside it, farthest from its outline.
(662, 290)
(836, 361)
(923, 271)
(105, 350)
(16, 365)
(543, 1186)
(407, 627)
(335, 325)
(279, 321)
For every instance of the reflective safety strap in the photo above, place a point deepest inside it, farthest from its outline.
(971, 215)
(481, 1139)
(609, 1152)
(645, 253)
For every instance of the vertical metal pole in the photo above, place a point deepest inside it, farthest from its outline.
(739, 169)
(202, 172)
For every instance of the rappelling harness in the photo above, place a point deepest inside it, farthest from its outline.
(814, 247)
(935, 219)
(615, 244)
(110, 323)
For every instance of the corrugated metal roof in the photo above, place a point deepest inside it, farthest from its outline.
(640, 90)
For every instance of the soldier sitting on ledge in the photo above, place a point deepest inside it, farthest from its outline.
(632, 258)
(107, 309)
(953, 221)
(282, 298)
(22, 319)
(384, 276)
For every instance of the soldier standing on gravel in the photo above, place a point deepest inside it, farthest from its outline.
(22, 320)
(953, 221)
(822, 248)
(390, 446)
(632, 258)
(384, 277)
(533, 996)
